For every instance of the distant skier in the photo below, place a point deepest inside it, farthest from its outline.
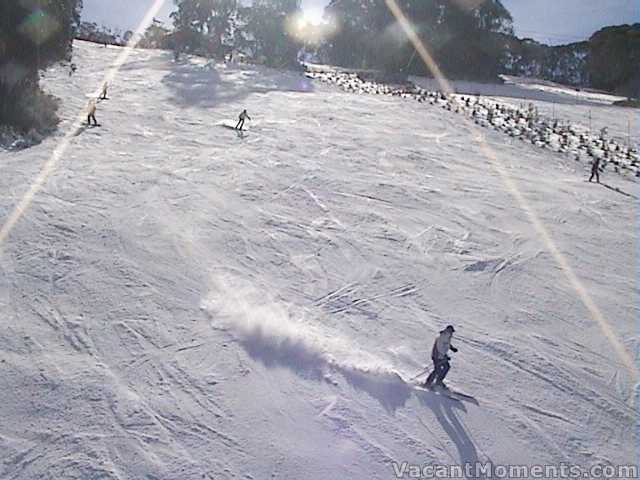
(440, 359)
(603, 133)
(91, 113)
(595, 170)
(72, 69)
(243, 116)
(103, 95)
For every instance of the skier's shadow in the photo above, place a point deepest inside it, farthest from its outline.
(240, 133)
(618, 190)
(445, 411)
(386, 388)
(83, 128)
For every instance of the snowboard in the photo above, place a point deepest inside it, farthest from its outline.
(83, 128)
(229, 126)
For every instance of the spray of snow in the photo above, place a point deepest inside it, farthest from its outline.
(281, 334)
(284, 332)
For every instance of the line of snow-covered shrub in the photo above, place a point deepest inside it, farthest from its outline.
(523, 123)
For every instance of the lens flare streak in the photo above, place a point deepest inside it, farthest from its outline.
(58, 153)
(511, 186)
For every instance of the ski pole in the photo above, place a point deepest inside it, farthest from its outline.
(421, 373)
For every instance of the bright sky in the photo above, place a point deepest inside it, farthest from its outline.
(549, 21)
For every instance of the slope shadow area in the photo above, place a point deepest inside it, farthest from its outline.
(196, 83)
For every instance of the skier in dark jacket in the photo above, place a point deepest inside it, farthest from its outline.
(595, 170)
(243, 116)
(440, 359)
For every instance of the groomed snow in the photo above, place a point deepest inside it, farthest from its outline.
(181, 302)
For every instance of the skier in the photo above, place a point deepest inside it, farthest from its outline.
(244, 115)
(103, 95)
(441, 347)
(92, 113)
(595, 172)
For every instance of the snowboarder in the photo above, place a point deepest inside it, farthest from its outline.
(595, 170)
(440, 359)
(243, 116)
(91, 110)
(103, 95)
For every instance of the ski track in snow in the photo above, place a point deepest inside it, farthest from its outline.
(182, 302)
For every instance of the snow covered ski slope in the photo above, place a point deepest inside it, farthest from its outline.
(181, 302)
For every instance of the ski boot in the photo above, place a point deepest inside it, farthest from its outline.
(441, 386)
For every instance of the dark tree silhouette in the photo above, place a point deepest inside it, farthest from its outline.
(204, 27)
(33, 35)
(265, 32)
(465, 41)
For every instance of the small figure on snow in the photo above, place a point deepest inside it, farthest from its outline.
(441, 348)
(595, 170)
(243, 116)
(72, 69)
(603, 133)
(103, 95)
(91, 113)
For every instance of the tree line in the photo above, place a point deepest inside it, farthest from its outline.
(608, 60)
(218, 28)
(463, 37)
(613, 63)
(464, 40)
(468, 39)
(92, 32)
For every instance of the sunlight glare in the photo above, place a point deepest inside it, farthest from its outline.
(313, 16)
(310, 26)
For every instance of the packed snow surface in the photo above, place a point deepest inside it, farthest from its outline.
(181, 301)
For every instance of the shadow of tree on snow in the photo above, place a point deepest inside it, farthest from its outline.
(195, 84)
